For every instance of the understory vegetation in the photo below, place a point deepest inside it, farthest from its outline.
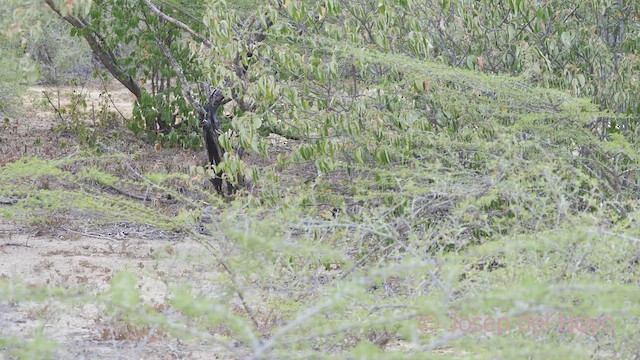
(411, 179)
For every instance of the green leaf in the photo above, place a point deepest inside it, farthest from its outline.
(358, 155)
(123, 290)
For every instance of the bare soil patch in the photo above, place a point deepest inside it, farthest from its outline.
(71, 261)
(32, 133)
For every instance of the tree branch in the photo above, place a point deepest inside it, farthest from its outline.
(106, 57)
(185, 85)
(178, 24)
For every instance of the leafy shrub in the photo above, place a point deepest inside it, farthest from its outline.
(61, 57)
(10, 88)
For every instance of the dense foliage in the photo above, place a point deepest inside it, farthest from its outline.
(307, 72)
(419, 160)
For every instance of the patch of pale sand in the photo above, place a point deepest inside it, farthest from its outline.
(90, 262)
(75, 262)
(41, 113)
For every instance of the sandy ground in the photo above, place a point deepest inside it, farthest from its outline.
(117, 99)
(70, 260)
(31, 133)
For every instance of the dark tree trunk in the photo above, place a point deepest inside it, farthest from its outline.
(211, 130)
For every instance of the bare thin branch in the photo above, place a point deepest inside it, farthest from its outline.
(106, 57)
(178, 24)
(183, 79)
